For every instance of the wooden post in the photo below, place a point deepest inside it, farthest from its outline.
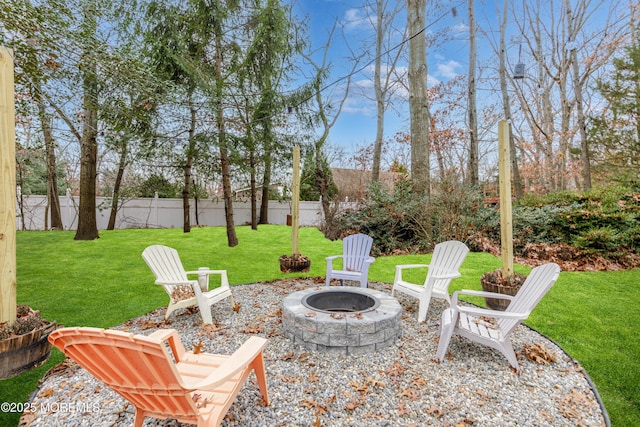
(7, 189)
(295, 200)
(506, 221)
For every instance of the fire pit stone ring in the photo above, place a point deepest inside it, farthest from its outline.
(341, 320)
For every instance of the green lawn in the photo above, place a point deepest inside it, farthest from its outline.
(593, 316)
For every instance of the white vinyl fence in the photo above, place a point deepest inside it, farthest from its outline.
(157, 213)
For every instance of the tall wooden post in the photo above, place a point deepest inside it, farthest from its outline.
(295, 201)
(7, 189)
(506, 221)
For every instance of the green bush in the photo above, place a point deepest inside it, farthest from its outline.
(599, 239)
(399, 221)
(602, 221)
(395, 220)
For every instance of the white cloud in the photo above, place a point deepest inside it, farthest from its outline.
(448, 69)
(354, 19)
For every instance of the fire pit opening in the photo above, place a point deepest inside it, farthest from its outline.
(340, 301)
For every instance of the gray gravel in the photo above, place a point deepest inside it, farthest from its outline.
(400, 385)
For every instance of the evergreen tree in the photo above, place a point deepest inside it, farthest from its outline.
(615, 134)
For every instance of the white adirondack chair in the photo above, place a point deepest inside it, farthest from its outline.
(446, 260)
(183, 292)
(355, 260)
(465, 321)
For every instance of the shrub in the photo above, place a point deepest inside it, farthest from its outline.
(599, 239)
(399, 221)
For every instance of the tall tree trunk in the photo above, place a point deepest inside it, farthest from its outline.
(87, 224)
(50, 154)
(473, 113)
(418, 102)
(377, 84)
(577, 93)
(115, 200)
(322, 182)
(254, 204)
(186, 191)
(266, 184)
(225, 165)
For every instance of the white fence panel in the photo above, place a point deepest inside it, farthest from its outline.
(157, 213)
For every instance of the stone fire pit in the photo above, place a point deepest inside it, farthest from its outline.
(343, 320)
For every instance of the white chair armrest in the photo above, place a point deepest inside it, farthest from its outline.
(479, 311)
(405, 266)
(207, 272)
(370, 260)
(479, 294)
(174, 283)
(487, 312)
(447, 276)
(224, 281)
(331, 258)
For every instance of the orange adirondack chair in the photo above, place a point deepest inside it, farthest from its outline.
(159, 377)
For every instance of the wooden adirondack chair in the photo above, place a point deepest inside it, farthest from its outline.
(465, 321)
(355, 260)
(191, 388)
(165, 264)
(446, 260)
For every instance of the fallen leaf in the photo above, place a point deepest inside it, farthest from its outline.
(308, 403)
(401, 409)
(211, 328)
(409, 393)
(46, 393)
(253, 329)
(538, 353)
(288, 356)
(435, 411)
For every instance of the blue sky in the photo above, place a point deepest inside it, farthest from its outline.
(356, 126)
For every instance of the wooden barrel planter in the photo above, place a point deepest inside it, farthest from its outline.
(493, 282)
(294, 264)
(24, 352)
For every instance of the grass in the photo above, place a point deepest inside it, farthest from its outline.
(593, 316)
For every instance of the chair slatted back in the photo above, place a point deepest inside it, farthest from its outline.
(165, 263)
(446, 260)
(356, 249)
(138, 368)
(536, 285)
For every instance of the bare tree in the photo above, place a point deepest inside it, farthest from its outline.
(418, 102)
(326, 114)
(568, 46)
(472, 109)
(383, 84)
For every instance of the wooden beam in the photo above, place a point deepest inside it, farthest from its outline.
(295, 201)
(506, 220)
(7, 189)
